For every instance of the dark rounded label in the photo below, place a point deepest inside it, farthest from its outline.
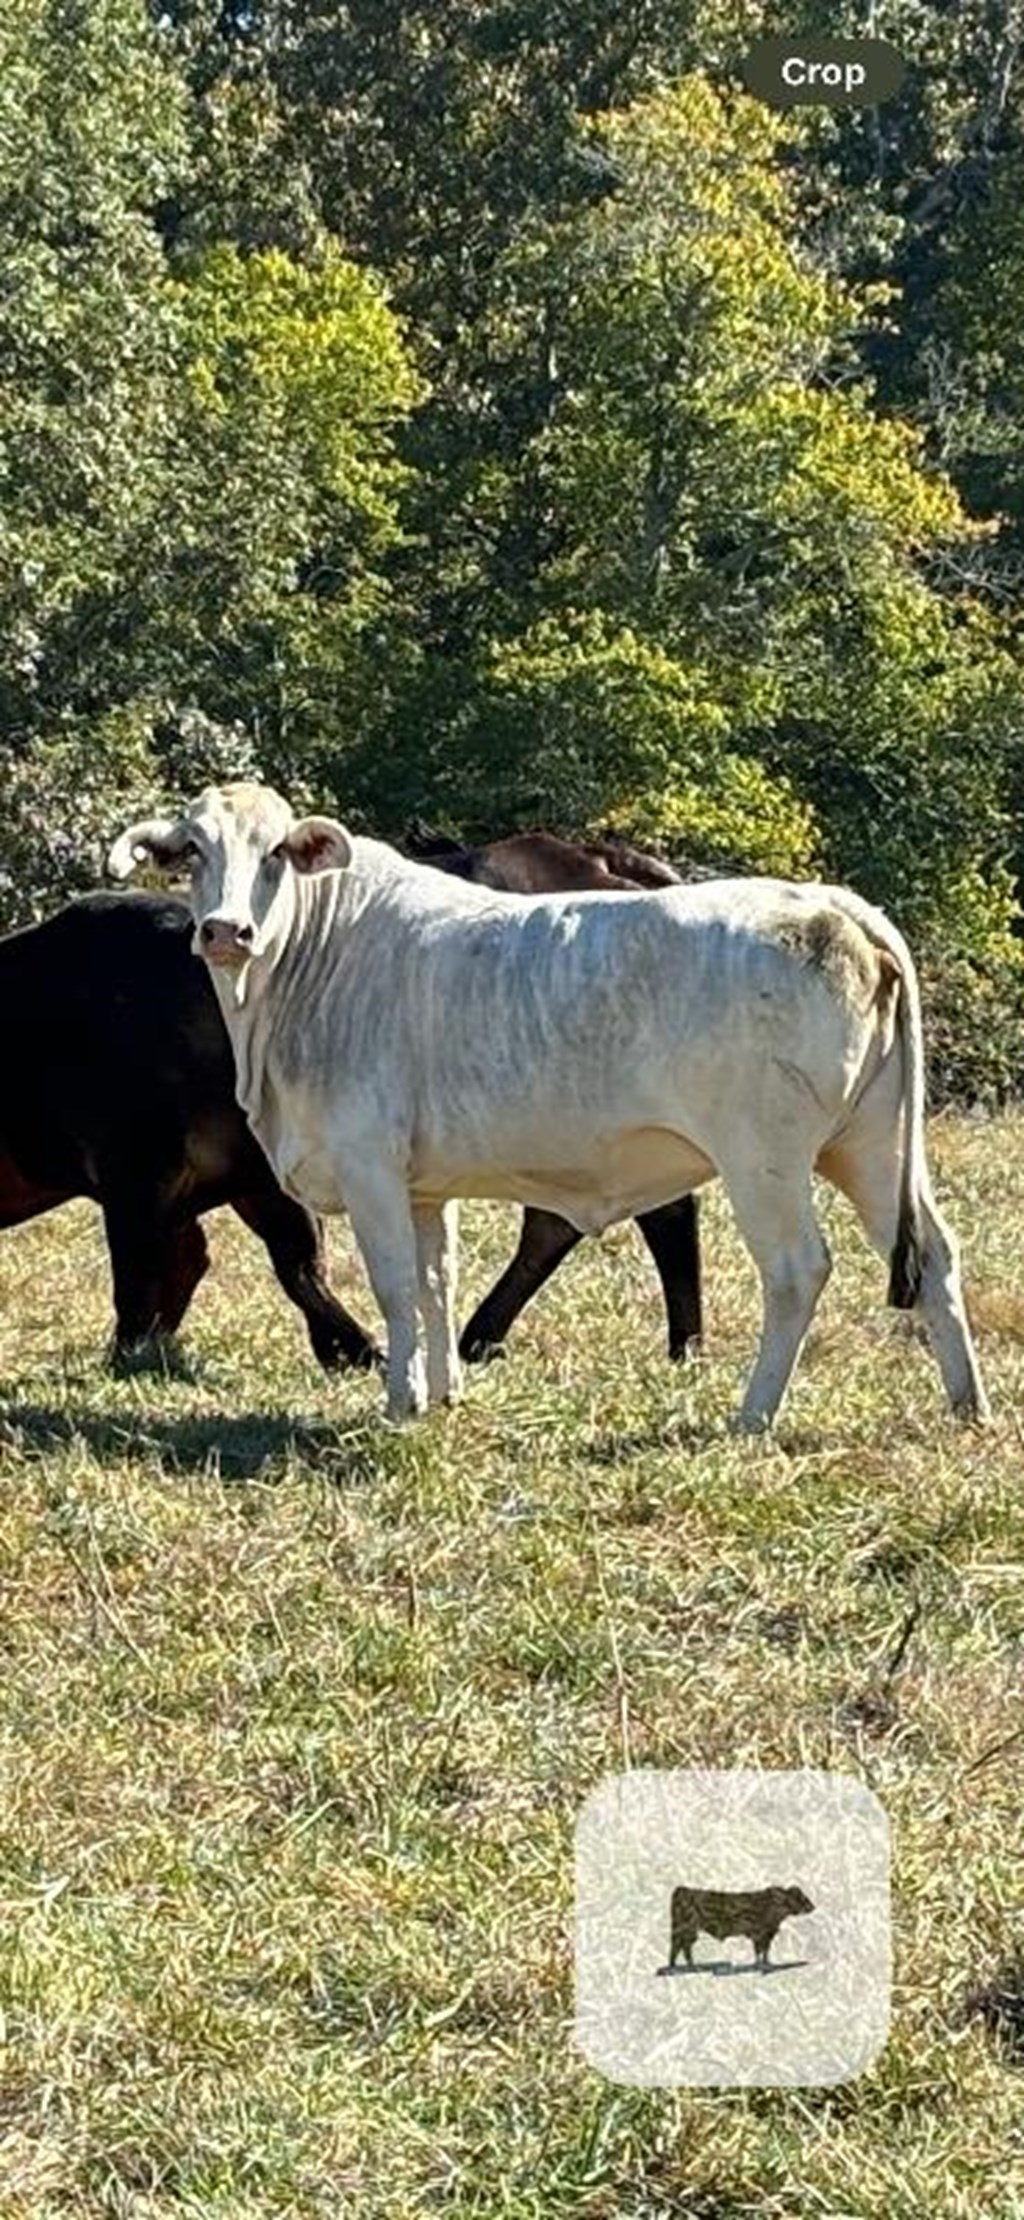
(826, 73)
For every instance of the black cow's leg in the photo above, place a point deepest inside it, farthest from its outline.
(137, 1237)
(672, 1237)
(543, 1242)
(684, 1935)
(186, 1261)
(295, 1245)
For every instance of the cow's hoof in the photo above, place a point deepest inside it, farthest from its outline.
(686, 1352)
(482, 1352)
(750, 1424)
(334, 1357)
(156, 1356)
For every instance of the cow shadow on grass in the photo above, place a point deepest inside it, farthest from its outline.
(221, 1445)
(675, 1435)
(688, 1438)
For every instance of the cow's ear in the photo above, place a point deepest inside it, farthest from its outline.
(318, 844)
(156, 838)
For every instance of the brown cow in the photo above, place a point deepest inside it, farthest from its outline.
(543, 863)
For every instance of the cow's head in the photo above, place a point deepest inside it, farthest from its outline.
(797, 1902)
(238, 844)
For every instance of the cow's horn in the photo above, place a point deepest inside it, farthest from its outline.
(152, 837)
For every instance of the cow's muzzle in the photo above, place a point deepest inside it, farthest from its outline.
(225, 944)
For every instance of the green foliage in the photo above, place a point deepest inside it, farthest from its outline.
(90, 131)
(186, 452)
(675, 535)
(974, 1018)
(972, 987)
(733, 817)
(62, 796)
(753, 645)
(976, 353)
(903, 742)
(718, 469)
(726, 490)
(65, 795)
(308, 357)
(582, 724)
(569, 718)
(284, 482)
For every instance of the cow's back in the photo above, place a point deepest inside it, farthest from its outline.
(544, 863)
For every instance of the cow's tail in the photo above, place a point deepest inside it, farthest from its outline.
(906, 1263)
(899, 993)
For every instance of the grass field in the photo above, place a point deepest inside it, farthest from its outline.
(297, 1715)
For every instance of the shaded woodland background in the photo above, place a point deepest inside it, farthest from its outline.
(490, 413)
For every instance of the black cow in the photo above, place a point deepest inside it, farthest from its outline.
(119, 1084)
(541, 863)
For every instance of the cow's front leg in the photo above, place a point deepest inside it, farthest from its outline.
(141, 1239)
(437, 1245)
(377, 1202)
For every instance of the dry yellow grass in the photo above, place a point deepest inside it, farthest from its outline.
(296, 1716)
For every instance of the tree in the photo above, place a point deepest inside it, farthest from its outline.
(90, 133)
(713, 481)
(194, 456)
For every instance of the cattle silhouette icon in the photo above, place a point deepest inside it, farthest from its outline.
(732, 1927)
(724, 1913)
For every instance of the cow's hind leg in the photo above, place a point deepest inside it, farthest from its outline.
(775, 1214)
(763, 1941)
(437, 1250)
(187, 1259)
(377, 1202)
(543, 1242)
(674, 1242)
(941, 1304)
(865, 1166)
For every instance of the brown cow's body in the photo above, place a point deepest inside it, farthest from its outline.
(544, 863)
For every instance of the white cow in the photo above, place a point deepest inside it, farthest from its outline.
(402, 1038)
